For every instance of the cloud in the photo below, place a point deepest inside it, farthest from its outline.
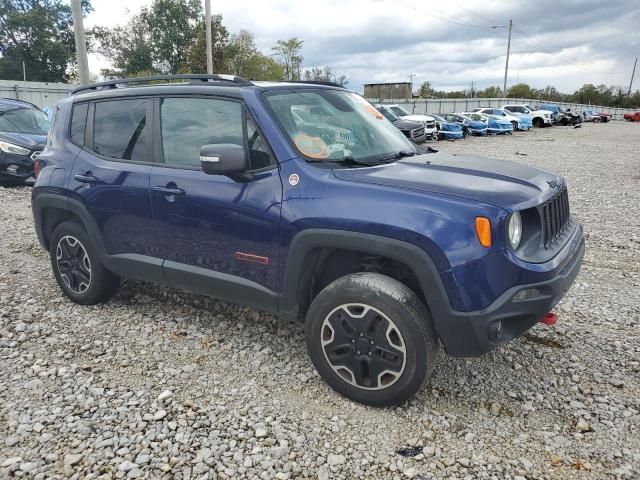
(562, 43)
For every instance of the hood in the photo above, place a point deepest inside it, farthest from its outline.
(509, 185)
(31, 141)
(419, 118)
(498, 123)
(409, 125)
(450, 127)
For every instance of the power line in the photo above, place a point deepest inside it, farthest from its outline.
(441, 18)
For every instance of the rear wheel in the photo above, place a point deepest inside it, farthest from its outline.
(515, 125)
(77, 267)
(371, 339)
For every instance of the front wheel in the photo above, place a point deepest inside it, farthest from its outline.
(371, 339)
(515, 125)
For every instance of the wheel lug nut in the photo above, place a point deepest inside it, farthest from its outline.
(353, 340)
(371, 342)
(369, 353)
(358, 352)
(361, 334)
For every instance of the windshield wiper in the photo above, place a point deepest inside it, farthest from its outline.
(395, 156)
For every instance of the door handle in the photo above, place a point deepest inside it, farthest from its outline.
(88, 178)
(168, 191)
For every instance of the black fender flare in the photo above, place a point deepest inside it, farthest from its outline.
(411, 255)
(133, 266)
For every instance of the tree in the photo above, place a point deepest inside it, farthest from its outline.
(197, 55)
(426, 90)
(289, 53)
(326, 74)
(40, 34)
(129, 47)
(489, 92)
(173, 28)
(521, 90)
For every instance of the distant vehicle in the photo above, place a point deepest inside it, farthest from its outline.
(427, 120)
(519, 122)
(448, 130)
(539, 118)
(494, 125)
(593, 116)
(632, 117)
(23, 134)
(562, 116)
(472, 127)
(411, 129)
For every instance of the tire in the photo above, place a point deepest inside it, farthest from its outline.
(515, 125)
(367, 304)
(538, 123)
(77, 268)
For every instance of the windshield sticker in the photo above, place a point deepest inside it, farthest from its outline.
(313, 147)
(375, 113)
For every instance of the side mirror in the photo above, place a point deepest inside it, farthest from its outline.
(223, 159)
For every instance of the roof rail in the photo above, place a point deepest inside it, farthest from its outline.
(314, 82)
(204, 78)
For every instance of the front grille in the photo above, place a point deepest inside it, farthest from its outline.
(417, 134)
(555, 216)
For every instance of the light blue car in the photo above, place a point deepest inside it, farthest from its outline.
(494, 124)
(519, 122)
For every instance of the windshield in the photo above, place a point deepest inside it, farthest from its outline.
(388, 114)
(438, 118)
(336, 125)
(401, 112)
(23, 120)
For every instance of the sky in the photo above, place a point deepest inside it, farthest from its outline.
(451, 43)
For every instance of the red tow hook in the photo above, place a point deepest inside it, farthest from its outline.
(549, 318)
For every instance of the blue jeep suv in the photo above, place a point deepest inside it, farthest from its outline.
(303, 200)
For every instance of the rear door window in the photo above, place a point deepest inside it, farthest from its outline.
(121, 131)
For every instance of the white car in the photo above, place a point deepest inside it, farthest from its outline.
(428, 121)
(541, 118)
(519, 122)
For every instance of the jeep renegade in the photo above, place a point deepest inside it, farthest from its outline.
(303, 200)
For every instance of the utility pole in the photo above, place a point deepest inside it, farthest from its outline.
(24, 72)
(411, 85)
(81, 43)
(506, 66)
(207, 10)
(632, 74)
(472, 84)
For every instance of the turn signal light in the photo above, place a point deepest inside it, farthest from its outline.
(483, 230)
(36, 168)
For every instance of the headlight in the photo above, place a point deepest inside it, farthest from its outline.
(15, 149)
(515, 230)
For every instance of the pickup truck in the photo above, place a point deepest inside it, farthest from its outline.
(539, 118)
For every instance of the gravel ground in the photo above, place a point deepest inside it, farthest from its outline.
(159, 383)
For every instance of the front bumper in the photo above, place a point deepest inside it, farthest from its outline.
(449, 135)
(471, 334)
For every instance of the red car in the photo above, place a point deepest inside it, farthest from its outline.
(632, 117)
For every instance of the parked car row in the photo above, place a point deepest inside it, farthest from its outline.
(487, 120)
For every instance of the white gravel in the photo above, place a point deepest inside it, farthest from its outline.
(159, 383)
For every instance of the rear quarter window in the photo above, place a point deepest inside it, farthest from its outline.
(78, 123)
